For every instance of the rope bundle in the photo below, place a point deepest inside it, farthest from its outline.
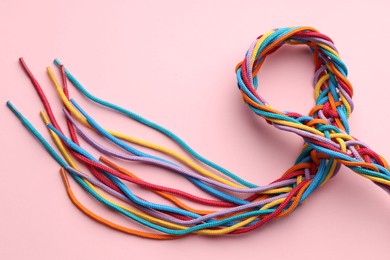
(327, 145)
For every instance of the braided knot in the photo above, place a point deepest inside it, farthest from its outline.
(325, 130)
(328, 145)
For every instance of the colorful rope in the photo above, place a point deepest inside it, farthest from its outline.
(325, 131)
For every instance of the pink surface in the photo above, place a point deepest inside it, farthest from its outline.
(173, 62)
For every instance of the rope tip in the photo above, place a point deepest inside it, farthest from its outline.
(64, 177)
(44, 117)
(57, 62)
(10, 105)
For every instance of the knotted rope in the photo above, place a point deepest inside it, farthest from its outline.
(327, 145)
(325, 130)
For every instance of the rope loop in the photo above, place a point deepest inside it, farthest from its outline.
(325, 129)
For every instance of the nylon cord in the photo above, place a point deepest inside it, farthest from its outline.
(325, 131)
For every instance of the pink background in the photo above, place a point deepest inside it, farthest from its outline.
(173, 62)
